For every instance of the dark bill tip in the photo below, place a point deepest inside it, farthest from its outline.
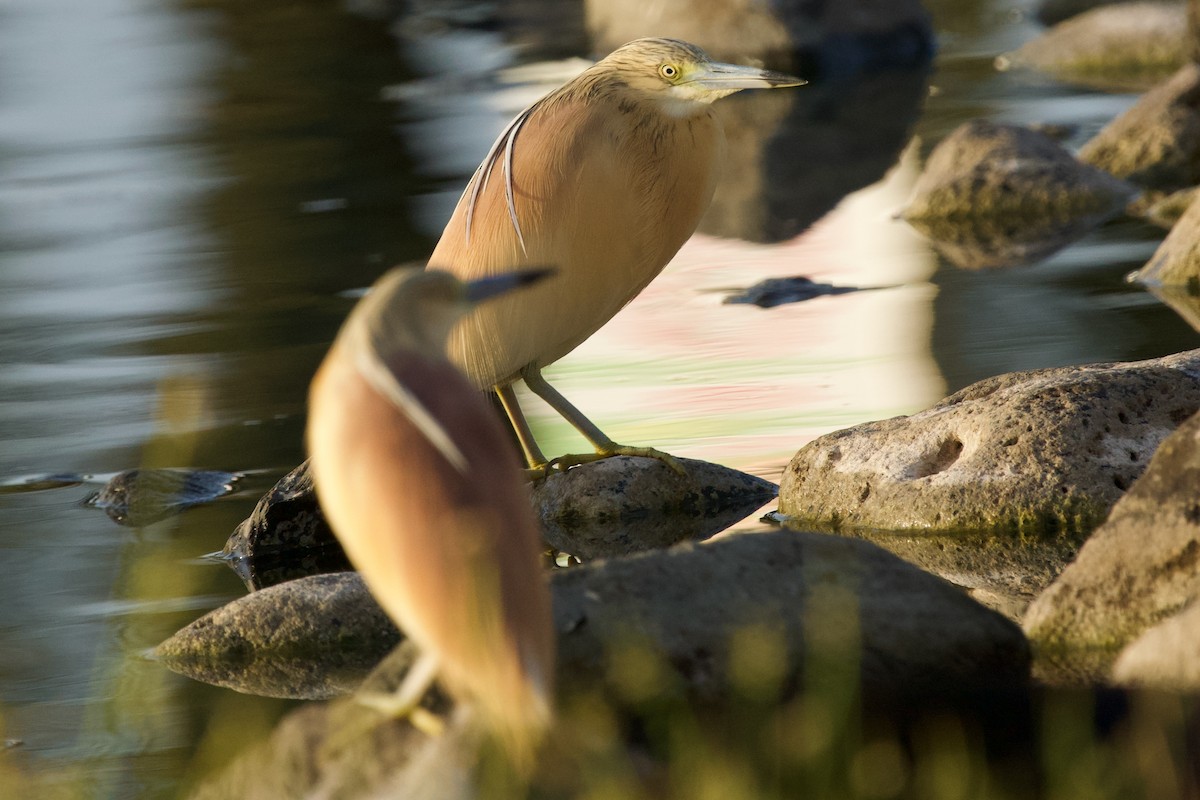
(484, 288)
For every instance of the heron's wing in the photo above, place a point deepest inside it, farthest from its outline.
(503, 145)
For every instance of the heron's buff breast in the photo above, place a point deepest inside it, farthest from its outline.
(606, 191)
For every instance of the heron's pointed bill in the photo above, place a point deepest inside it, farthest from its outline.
(730, 78)
(485, 288)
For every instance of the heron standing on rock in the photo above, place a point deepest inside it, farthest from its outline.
(419, 482)
(605, 179)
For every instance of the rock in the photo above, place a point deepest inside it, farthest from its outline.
(995, 195)
(806, 591)
(1166, 656)
(1050, 12)
(994, 487)
(1039, 453)
(988, 171)
(311, 638)
(773, 292)
(317, 636)
(610, 507)
(996, 571)
(748, 616)
(1165, 209)
(1115, 46)
(624, 505)
(1141, 567)
(837, 39)
(1193, 18)
(140, 497)
(1176, 262)
(1156, 142)
(285, 537)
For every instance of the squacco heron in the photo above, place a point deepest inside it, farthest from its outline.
(417, 478)
(605, 178)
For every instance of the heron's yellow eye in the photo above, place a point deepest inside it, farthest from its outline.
(669, 71)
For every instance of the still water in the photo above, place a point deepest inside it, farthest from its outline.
(190, 191)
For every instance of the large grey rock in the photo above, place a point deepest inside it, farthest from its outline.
(1156, 142)
(318, 636)
(1166, 656)
(1140, 567)
(1123, 45)
(1000, 195)
(1176, 262)
(903, 629)
(657, 632)
(1038, 453)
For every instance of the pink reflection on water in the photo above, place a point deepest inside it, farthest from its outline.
(745, 386)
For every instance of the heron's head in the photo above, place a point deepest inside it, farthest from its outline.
(414, 309)
(682, 76)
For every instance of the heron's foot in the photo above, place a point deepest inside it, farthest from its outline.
(538, 473)
(563, 463)
(396, 707)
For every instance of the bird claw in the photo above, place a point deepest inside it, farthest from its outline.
(565, 462)
(395, 707)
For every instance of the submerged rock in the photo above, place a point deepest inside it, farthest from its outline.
(1156, 142)
(311, 638)
(1000, 195)
(1039, 453)
(1141, 567)
(1118, 46)
(140, 497)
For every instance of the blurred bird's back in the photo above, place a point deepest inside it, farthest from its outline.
(442, 533)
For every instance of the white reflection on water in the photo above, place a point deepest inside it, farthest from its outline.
(98, 257)
(95, 185)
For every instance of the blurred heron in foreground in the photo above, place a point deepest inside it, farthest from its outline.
(605, 178)
(418, 480)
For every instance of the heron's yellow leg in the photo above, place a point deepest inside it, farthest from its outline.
(405, 702)
(533, 454)
(605, 447)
